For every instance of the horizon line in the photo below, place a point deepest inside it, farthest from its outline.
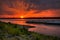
(34, 18)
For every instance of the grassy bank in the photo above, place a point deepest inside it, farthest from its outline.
(9, 31)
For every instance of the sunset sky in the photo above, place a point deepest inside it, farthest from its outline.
(29, 8)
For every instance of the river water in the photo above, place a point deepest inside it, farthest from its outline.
(39, 28)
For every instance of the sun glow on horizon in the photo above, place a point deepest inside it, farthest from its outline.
(21, 16)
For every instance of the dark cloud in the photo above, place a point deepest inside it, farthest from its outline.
(11, 6)
(44, 4)
(35, 4)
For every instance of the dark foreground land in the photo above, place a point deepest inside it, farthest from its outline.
(9, 31)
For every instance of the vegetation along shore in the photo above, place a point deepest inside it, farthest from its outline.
(9, 31)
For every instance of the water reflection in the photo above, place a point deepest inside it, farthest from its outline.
(40, 28)
(48, 30)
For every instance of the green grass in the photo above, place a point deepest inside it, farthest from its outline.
(9, 31)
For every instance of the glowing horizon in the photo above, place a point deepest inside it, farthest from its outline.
(17, 8)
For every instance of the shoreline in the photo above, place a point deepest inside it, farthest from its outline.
(46, 23)
(9, 31)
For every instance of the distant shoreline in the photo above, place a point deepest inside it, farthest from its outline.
(31, 22)
(34, 18)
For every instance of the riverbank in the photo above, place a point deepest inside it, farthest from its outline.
(46, 23)
(9, 31)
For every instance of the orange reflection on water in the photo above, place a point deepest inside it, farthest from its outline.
(40, 28)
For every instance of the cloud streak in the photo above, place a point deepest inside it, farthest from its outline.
(38, 8)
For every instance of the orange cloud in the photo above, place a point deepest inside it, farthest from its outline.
(21, 8)
(45, 13)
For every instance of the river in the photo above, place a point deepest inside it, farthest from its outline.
(39, 28)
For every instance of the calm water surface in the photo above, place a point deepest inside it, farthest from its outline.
(40, 28)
